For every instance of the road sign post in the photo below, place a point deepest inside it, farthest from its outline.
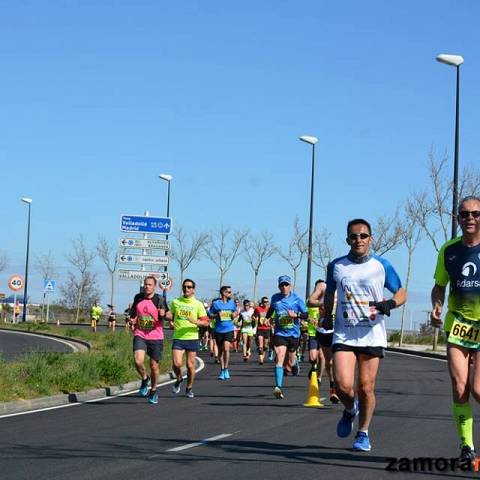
(49, 286)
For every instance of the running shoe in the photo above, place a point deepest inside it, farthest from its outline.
(345, 425)
(333, 396)
(176, 386)
(189, 393)
(226, 374)
(245, 358)
(467, 453)
(143, 390)
(153, 397)
(222, 375)
(217, 360)
(295, 368)
(277, 391)
(312, 369)
(270, 355)
(362, 442)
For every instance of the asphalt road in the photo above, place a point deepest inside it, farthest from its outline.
(256, 435)
(15, 344)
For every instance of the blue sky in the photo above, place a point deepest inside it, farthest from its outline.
(98, 98)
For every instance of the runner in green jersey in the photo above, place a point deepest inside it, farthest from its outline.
(458, 264)
(186, 315)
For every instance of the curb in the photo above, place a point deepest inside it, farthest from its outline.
(20, 406)
(440, 356)
(77, 345)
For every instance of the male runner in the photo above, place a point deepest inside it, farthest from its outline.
(146, 315)
(224, 311)
(286, 308)
(186, 315)
(247, 325)
(320, 340)
(459, 264)
(95, 315)
(263, 328)
(360, 336)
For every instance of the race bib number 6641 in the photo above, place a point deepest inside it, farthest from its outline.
(465, 333)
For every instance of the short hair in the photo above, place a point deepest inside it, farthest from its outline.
(320, 280)
(357, 221)
(150, 277)
(189, 280)
(225, 287)
(468, 198)
(264, 299)
(246, 301)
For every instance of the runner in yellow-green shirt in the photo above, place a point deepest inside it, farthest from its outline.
(95, 315)
(186, 315)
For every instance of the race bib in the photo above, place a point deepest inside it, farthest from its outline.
(286, 322)
(146, 322)
(225, 316)
(465, 333)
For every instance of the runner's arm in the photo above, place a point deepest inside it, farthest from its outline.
(328, 303)
(438, 299)
(317, 296)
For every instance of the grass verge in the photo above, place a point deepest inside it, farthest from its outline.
(109, 362)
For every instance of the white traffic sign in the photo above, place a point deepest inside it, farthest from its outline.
(49, 285)
(15, 283)
(143, 259)
(140, 275)
(147, 243)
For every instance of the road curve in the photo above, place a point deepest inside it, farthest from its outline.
(235, 429)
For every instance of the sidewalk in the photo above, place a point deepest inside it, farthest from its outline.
(417, 349)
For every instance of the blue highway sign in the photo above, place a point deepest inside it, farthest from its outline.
(141, 224)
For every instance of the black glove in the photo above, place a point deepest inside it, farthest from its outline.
(384, 306)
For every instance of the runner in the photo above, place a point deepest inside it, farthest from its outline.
(186, 316)
(360, 336)
(237, 336)
(263, 328)
(459, 264)
(247, 326)
(323, 338)
(146, 315)
(224, 311)
(95, 315)
(112, 317)
(286, 308)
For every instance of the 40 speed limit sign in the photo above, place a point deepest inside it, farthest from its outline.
(15, 283)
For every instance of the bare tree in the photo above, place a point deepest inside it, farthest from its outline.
(188, 248)
(432, 207)
(108, 254)
(81, 258)
(222, 248)
(87, 284)
(322, 251)
(46, 268)
(386, 234)
(411, 234)
(256, 251)
(297, 248)
(3, 261)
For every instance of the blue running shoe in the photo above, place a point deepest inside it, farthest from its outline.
(362, 442)
(143, 390)
(226, 374)
(222, 375)
(345, 425)
(153, 397)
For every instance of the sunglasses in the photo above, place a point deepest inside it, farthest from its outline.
(188, 286)
(466, 213)
(356, 236)
(284, 285)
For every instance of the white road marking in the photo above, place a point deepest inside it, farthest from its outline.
(76, 404)
(418, 356)
(197, 444)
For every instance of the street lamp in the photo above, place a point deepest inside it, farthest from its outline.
(312, 141)
(28, 201)
(454, 61)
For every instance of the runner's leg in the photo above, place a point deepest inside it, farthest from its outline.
(367, 374)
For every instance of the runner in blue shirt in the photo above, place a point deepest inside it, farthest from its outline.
(286, 308)
(224, 311)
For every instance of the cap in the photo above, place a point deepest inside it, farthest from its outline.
(284, 279)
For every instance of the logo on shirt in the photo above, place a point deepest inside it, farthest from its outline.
(469, 269)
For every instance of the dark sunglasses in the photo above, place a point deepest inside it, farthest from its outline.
(356, 236)
(188, 286)
(466, 213)
(284, 285)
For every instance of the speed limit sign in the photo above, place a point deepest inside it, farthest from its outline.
(15, 283)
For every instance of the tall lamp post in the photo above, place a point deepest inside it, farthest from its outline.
(28, 201)
(168, 179)
(454, 61)
(312, 141)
